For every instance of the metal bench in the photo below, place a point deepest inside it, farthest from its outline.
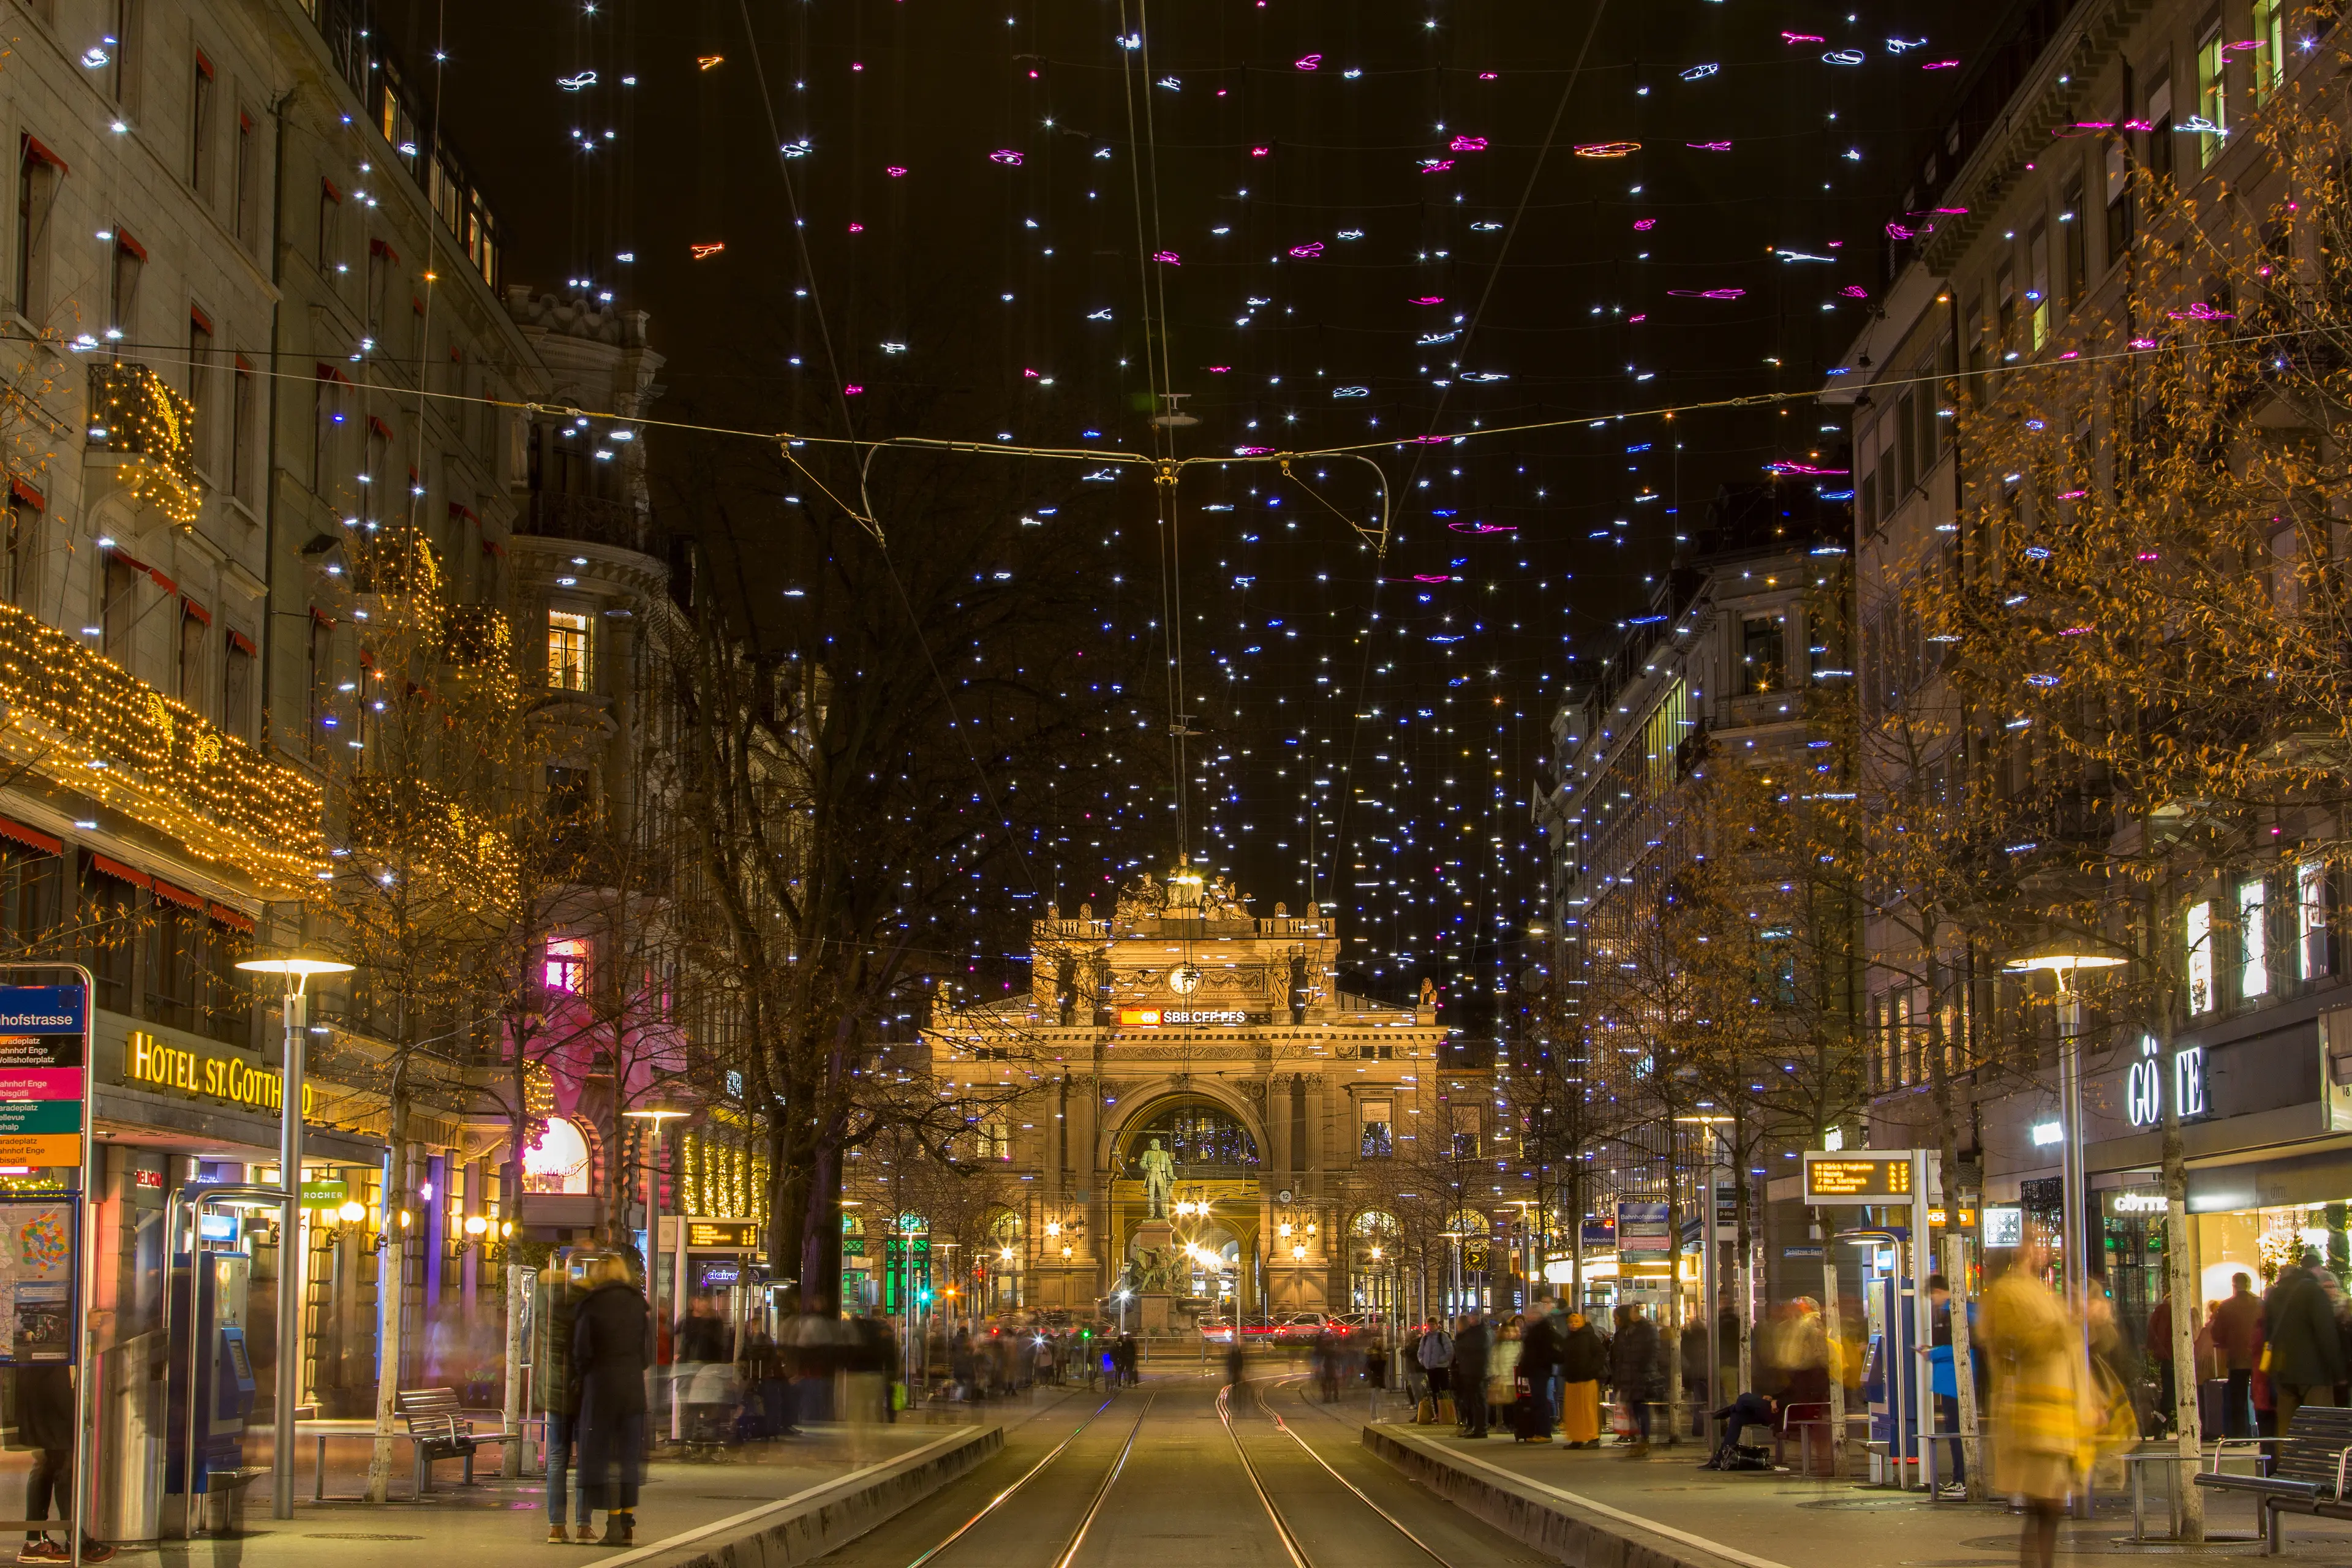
(2308, 1469)
(438, 1428)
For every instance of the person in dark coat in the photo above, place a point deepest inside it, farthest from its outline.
(2306, 1357)
(610, 1341)
(1638, 1369)
(1539, 1362)
(1473, 1341)
(45, 1424)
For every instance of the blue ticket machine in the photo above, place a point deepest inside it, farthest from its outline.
(213, 1326)
(1890, 1377)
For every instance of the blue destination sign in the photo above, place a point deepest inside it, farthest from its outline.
(42, 1009)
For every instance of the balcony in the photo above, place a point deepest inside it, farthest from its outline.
(79, 720)
(150, 431)
(590, 520)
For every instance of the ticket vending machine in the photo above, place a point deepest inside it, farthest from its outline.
(1891, 1376)
(211, 1388)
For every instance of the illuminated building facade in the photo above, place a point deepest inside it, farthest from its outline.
(1294, 1115)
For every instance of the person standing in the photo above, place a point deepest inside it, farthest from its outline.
(2237, 1330)
(2306, 1357)
(2158, 1347)
(45, 1424)
(609, 1351)
(1472, 1345)
(1435, 1356)
(1538, 1363)
(1639, 1372)
(1945, 1377)
(1583, 1358)
(559, 1291)
(2037, 1356)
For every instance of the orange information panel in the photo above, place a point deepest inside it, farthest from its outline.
(35, 1150)
(1862, 1176)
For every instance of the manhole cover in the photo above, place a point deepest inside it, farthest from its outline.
(353, 1535)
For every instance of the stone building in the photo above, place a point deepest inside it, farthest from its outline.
(1296, 1118)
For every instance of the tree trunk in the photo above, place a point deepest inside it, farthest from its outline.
(392, 1288)
(1671, 1330)
(1956, 1274)
(1833, 1330)
(2182, 1282)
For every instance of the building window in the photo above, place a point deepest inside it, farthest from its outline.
(2078, 261)
(2037, 285)
(22, 564)
(2270, 49)
(194, 626)
(1762, 656)
(200, 127)
(246, 200)
(1377, 1120)
(118, 607)
(567, 965)
(2213, 95)
(328, 419)
(567, 650)
(568, 793)
(244, 413)
(236, 687)
(36, 197)
(2119, 198)
(2312, 959)
(2254, 939)
(129, 263)
(2198, 933)
(2159, 135)
(330, 216)
(322, 685)
(200, 375)
(123, 77)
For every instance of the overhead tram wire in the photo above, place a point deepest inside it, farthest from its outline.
(1143, 172)
(866, 520)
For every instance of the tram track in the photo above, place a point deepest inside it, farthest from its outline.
(1094, 1506)
(1291, 1542)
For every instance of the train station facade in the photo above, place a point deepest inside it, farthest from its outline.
(1294, 1117)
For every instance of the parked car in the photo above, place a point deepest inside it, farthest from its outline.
(1302, 1327)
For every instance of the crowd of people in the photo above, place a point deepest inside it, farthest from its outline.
(1527, 1372)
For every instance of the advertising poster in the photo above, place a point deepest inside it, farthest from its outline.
(37, 1280)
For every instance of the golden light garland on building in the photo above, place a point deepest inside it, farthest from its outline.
(79, 720)
(133, 411)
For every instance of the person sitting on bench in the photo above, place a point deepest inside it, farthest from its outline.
(1750, 1409)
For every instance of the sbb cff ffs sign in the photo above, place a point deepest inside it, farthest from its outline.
(1871, 1177)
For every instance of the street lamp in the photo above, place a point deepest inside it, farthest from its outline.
(2062, 961)
(296, 973)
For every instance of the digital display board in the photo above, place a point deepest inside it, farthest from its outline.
(722, 1236)
(1867, 1177)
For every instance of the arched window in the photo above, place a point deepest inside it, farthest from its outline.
(558, 1163)
(1202, 1136)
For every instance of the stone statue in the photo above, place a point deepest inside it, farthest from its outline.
(1144, 896)
(1158, 1171)
(1300, 990)
(1065, 989)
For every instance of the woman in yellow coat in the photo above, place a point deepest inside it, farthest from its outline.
(2041, 1445)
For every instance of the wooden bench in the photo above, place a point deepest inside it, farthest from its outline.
(2308, 1469)
(438, 1428)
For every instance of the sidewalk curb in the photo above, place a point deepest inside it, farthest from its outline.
(1559, 1524)
(810, 1523)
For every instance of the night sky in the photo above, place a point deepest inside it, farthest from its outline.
(1381, 222)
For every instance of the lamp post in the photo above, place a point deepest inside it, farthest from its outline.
(296, 973)
(2062, 963)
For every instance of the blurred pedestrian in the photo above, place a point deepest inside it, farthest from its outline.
(1638, 1369)
(45, 1424)
(1474, 1342)
(1583, 1361)
(560, 1286)
(610, 1343)
(2040, 1368)
(2306, 1358)
(1435, 1356)
(2237, 1329)
(1538, 1363)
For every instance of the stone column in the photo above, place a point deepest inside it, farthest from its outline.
(1277, 1127)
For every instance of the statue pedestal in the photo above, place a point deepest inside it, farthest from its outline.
(1154, 1316)
(1152, 1233)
